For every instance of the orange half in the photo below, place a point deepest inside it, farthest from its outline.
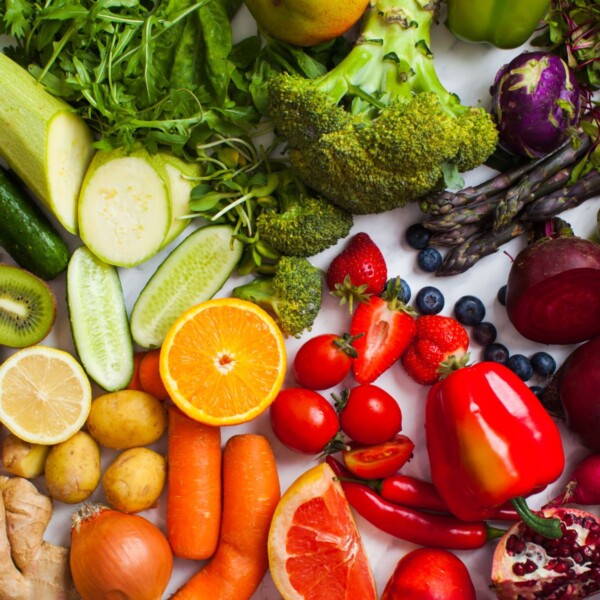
(223, 361)
(315, 549)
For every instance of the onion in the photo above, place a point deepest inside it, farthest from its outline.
(118, 555)
(584, 484)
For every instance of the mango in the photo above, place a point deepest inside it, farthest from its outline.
(306, 22)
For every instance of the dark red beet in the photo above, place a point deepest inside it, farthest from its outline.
(553, 291)
(579, 392)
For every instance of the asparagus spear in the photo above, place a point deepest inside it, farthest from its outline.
(516, 197)
(465, 255)
(549, 205)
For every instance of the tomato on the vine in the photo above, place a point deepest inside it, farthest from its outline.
(369, 414)
(303, 420)
(324, 361)
(379, 460)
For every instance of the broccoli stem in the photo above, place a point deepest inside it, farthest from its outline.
(391, 59)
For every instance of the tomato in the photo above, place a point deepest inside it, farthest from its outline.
(324, 361)
(303, 420)
(369, 415)
(380, 460)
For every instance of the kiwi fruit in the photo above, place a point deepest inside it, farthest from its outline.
(27, 307)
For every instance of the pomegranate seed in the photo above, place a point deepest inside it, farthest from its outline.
(515, 545)
(562, 566)
(519, 569)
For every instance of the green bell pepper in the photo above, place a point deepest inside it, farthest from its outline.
(501, 23)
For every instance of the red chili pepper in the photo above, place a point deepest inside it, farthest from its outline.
(402, 489)
(412, 525)
(409, 491)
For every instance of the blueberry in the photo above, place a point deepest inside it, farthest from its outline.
(543, 364)
(417, 236)
(520, 365)
(429, 300)
(536, 389)
(404, 293)
(469, 310)
(429, 259)
(484, 333)
(502, 295)
(496, 352)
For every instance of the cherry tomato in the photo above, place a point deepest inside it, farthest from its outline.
(303, 420)
(380, 460)
(369, 415)
(324, 361)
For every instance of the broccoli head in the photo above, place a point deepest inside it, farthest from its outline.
(379, 129)
(302, 224)
(293, 294)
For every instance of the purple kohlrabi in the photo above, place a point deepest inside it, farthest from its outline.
(536, 101)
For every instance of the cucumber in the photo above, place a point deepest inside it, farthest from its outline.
(124, 207)
(27, 234)
(194, 272)
(43, 141)
(98, 319)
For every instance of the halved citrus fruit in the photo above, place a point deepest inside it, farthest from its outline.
(315, 549)
(45, 395)
(223, 361)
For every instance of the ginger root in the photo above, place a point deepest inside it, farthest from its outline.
(30, 568)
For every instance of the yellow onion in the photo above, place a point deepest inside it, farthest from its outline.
(118, 555)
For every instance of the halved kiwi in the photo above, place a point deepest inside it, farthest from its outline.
(27, 307)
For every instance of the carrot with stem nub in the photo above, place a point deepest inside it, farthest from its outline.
(251, 492)
(149, 375)
(194, 486)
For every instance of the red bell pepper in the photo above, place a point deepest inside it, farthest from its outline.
(490, 440)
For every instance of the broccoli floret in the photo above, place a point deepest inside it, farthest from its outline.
(293, 294)
(302, 224)
(380, 130)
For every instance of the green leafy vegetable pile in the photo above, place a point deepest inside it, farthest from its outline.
(164, 73)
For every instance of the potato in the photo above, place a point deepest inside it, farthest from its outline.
(23, 459)
(73, 468)
(134, 480)
(126, 419)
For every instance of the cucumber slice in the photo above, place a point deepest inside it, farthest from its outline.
(98, 318)
(194, 272)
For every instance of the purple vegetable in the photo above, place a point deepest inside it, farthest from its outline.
(535, 101)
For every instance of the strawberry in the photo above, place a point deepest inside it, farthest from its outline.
(358, 272)
(440, 344)
(388, 326)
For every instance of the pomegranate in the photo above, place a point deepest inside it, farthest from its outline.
(527, 565)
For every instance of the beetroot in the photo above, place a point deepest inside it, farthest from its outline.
(578, 388)
(553, 291)
(583, 486)
(527, 565)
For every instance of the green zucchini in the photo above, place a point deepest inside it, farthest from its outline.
(27, 234)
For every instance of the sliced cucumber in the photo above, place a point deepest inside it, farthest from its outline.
(98, 318)
(194, 272)
(124, 207)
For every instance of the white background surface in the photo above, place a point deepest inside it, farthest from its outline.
(468, 70)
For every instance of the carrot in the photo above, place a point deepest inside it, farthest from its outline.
(150, 379)
(134, 383)
(251, 492)
(193, 510)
